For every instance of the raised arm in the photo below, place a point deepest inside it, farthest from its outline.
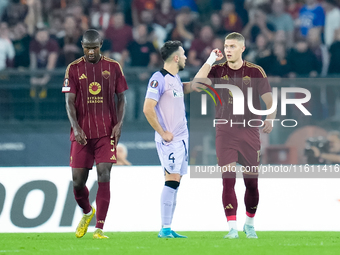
(202, 74)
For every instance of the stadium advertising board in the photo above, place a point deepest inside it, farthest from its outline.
(42, 201)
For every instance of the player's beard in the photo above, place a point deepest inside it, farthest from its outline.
(180, 67)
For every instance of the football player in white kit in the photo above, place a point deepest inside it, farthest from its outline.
(165, 111)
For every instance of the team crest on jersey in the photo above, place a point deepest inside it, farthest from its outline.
(246, 80)
(106, 74)
(95, 88)
(154, 84)
(66, 88)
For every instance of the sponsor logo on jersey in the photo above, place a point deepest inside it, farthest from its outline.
(95, 88)
(178, 93)
(154, 84)
(83, 76)
(106, 74)
(225, 77)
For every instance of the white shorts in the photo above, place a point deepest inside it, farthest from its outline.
(174, 156)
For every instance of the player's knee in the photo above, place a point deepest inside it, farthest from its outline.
(78, 184)
(250, 183)
(104, 176)
(172, 184)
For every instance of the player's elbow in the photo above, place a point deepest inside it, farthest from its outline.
(146, 110)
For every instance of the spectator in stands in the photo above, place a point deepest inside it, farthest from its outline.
(311, 15)
(302, 60)
(231, 21)
(276, 64)
(293, 8)
(217, 25)
(332, 21)
(165, 15)
(261, 49)
(201, 47)
(103, 18)
(68, 44)
(77, 11)
(157, 32)
(7, 52)
(137, 6)
(334, 50)
(56, 26)
(119, 43)
(253, 5)
(15, 12)
(282, 21)
(122, 154)
(34, 15)
(191, 4)
(43, 55)
(140, 50)
(21, 42)
(320, 50)
(184, 30)
(258, 25)
(107, 45)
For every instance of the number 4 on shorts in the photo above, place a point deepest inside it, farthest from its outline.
(171, 157)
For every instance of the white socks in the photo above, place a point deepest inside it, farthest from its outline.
(249, 221)
(232, 224)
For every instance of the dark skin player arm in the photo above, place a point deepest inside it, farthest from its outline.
(117, 129)
(79, 134)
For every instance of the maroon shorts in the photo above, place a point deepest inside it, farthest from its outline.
(241, 145)
(101, 150)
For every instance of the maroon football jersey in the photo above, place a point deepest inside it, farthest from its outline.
(249, 75)
(95, 86)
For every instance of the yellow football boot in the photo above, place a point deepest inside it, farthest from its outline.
(99, 234)
(84, 224)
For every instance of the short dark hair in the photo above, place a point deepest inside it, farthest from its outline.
(91, 35)
(170, 47)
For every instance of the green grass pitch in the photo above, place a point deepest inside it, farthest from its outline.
(273, 243)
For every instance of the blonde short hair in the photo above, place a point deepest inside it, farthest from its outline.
(235, 36)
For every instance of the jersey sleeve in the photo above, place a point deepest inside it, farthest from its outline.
(121, 81)
(70, 84)
(263, 85)
(213, 72)
(155, 87)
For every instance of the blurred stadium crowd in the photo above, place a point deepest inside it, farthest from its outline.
(287, 38)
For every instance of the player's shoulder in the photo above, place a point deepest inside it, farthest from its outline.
(74, 63)
(112, 62)
(255, 68)
(159, 75)
(220, 65)
(77, 61)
